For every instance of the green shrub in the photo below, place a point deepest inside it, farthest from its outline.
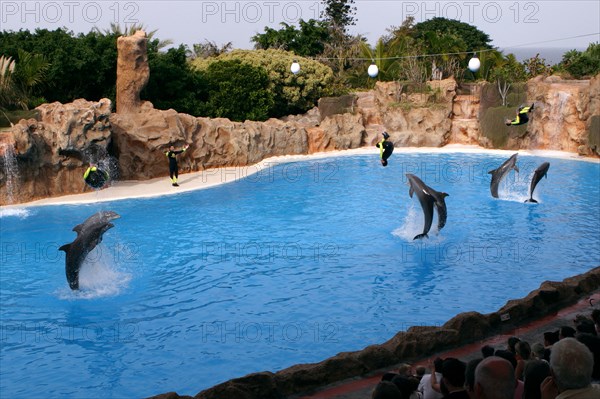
(237, 91)
(292, 94)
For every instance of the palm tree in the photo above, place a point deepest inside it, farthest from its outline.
(115, 29)
(18, 79)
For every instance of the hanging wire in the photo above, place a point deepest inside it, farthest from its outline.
(455, 53)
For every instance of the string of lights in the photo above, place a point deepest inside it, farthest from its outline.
(474, 62)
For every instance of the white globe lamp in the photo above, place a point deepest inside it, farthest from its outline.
(295, 68)
(474, 64)
(373, 71)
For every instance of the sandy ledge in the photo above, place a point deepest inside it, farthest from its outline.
(161, 186)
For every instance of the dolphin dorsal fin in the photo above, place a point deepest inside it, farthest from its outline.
(78, 228)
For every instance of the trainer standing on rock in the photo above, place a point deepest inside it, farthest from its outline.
(173, 168)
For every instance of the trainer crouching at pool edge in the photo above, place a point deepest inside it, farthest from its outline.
(385, 148)
(173, 167)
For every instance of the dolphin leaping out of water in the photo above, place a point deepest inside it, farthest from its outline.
(428, 197)
(89, 234)
(498, 174)
(537, 176)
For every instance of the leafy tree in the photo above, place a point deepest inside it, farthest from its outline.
(535, 66)
(238, 91)
(173, 83)
(473, 38)
(339, 13)
(582, 64)
(82, 66)
(292, 94)
(307, 41)
(507, 73)
(18, 79)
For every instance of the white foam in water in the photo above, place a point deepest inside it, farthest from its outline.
(99, 277)
(21, 213)
(514, 188)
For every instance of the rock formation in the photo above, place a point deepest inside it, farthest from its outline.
(563, 109)
(53, 150)
(133, 71)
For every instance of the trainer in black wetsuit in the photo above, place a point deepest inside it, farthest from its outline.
(385, 148)
(173, 168)
(95, 177)
(522, 117)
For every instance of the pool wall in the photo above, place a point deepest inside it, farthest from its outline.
(407, 346)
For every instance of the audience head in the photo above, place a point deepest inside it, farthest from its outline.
(572, 364)
(507, 355)
(550, 338)
(405, 369)
(537, 350)
(407, 385)
(566, 332)
(487, 351)
(512, 342)
(585, 325)
(453, 373)
(386, 390)
(523, 350)
(437, 365)
(495, 379)
(420, 371)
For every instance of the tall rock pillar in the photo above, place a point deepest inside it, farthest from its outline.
(132, 71)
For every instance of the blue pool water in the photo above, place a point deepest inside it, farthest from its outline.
(291, 265)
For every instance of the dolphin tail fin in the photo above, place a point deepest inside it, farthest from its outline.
(65, 248)
(419, 236)
(531, 200)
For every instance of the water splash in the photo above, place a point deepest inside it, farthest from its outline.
(413, 224)
(99, 277)
(10, 169)
(20, 213)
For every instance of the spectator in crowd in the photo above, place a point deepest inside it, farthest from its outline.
(453, 377)
(571, 365)
(593, 344)
(470, 376)
(487, 351)
(386, 390)
(566, 332)
(596, 320)
(495, 379)
(512, 343)
(537, 351)
(507, 355)
(427, 391)
(523, 354)
(535, 372)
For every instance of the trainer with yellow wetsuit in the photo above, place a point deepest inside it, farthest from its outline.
(173, 168)
(521, 118)
(385, 148)
(95, 177)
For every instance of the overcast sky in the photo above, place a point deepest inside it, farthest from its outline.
(508, 23)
